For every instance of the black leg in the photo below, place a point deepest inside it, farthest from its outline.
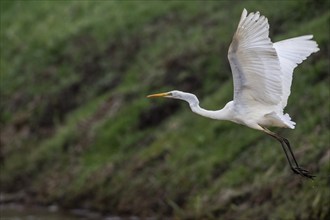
(300, 170)
(286, 144)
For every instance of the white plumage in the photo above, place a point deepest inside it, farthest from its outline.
(262, 71)
(262, 75)
(292, 52)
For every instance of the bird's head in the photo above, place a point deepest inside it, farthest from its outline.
(175, 94)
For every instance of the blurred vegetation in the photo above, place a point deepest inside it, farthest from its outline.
(77, 130)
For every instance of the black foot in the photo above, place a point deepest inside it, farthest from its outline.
(303, 172)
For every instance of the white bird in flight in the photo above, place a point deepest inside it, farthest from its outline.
(262, 74)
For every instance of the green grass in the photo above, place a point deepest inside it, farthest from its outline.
(78, 131)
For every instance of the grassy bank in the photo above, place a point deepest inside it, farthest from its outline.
(77, 130)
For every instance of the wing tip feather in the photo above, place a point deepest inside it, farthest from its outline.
(243, 16)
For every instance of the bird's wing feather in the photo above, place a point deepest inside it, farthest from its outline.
(292, 52)
(254, 63)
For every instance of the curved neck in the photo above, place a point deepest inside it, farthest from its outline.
(221, 114)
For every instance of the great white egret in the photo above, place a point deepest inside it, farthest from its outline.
(262, 74)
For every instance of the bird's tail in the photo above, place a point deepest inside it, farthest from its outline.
(281, 120)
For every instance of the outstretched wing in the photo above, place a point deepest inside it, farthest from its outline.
(292, 52)
(254, 63)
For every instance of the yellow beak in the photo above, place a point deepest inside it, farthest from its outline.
(159, 95)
